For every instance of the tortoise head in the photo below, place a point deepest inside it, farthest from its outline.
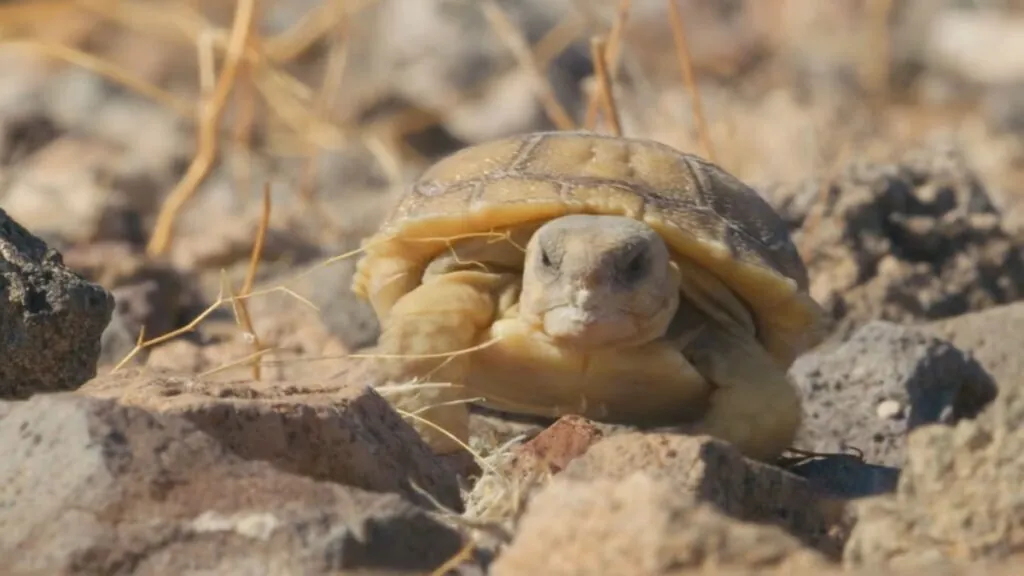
(598, 281)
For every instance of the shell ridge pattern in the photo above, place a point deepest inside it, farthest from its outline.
(630, 158)
(524, 155)
(479, 185)
(699, 168)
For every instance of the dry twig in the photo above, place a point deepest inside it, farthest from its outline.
(604, 84)
(611, 59)
(241, 308)
(683, 55)
(209, 124)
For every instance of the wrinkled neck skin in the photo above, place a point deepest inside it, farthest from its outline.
(598, 282)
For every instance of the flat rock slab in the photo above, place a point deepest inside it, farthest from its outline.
(333, 431)
(887, 379)
(91, 487)
(51, 319)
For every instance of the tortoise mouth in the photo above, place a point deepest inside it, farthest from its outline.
(577, 327)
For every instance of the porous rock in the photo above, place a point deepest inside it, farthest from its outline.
(958, 499)
(339, 431)
(914, 240)
(714, 472)
(50, 318)
(640, 523)
(91, 487)
(887, 379)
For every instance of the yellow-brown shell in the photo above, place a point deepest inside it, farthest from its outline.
(703, 213)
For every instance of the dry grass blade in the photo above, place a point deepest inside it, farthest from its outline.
(143, 344)
(241, 308)
(611, 58)
(446, 355)
(604, 84)
(479, 459)
(464, 554)
(556, 40)
(515, 42)
(685, 62)
(317, 23)
(209, 123)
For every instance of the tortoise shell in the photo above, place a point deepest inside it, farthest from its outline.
(703, 213)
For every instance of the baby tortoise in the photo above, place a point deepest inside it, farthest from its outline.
(614, 278)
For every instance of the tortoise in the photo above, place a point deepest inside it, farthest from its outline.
(615, 278)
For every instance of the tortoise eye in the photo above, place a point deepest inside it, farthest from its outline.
(635, 267)
(545, 259)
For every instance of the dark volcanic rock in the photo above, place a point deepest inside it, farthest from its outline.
(50, 318)
(885, 380)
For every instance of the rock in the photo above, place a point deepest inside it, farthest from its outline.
(62, 192)
(22, 135)
(915, 240)
(887, 379)
(715, 473)
(491, 429)
(343, 314)
(994, 337)
(958, 498)
(551, 451)
(148, 294)
(51, 319)
(639, 523)
(90, 487)
(338, 432)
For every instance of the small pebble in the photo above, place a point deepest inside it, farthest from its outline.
(889, 409)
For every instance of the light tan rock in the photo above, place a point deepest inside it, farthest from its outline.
(640, 524)
(715, 473)
(336, 431)
(91, 487)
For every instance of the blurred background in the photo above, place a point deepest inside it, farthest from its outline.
(137, 137)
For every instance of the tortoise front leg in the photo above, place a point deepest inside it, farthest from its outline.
(421, 340)
(754, 405)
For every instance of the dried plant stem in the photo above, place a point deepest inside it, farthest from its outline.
(686, 64)
(597, 52)
(209, 123)
(241, 306)
(611, 58)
